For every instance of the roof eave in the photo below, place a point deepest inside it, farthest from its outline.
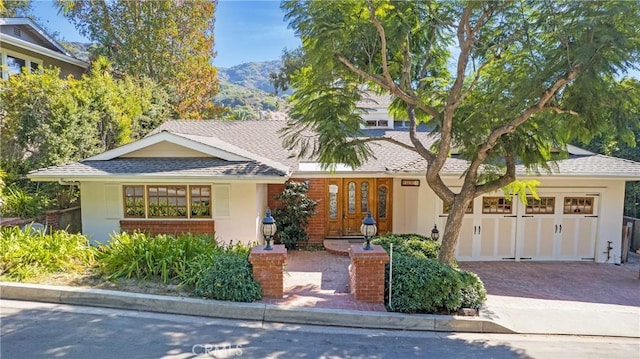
(43, 50)
(143, 177)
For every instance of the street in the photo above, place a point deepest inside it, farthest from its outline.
(40, 330)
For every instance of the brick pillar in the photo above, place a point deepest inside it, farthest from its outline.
(52, 220)
(366, 273)
(268, 269)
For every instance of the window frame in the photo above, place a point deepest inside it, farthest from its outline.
(533, 204)
(500, 207)
(578, 208)
(28, 60)
(188, 198)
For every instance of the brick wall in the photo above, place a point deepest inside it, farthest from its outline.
(158, 226)
(315, 230)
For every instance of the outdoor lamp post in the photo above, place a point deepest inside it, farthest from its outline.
(368, 229)
(435, 233)
(268, 229)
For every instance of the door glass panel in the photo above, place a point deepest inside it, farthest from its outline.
(333, 205)
(364, 196)
(352, 197)
(382, 202)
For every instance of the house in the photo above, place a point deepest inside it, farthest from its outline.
(205, 176)
(25, 44)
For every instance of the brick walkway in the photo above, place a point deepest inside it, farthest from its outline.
(574, 281)
(319, 279)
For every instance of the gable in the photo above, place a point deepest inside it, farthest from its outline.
(27, 34)
(165, 149)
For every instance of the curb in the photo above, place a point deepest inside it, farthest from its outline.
(247, 311)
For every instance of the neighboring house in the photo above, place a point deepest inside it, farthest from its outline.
(25, 44)
(204, 176)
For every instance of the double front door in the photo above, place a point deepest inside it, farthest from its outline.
(348, 200)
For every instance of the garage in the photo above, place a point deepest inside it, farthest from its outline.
(558, 225)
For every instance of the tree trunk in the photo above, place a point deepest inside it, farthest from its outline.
(452, 228)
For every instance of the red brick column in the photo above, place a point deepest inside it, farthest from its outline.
(366, 273)
(52, 220)
(268, 269)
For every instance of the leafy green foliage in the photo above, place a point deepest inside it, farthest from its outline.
(162, 257)
(229, 278)
(423, 285)
(413, 245)
(472, 292)
(19, 203)
(30, 253)
(293, 213)
(14, 8)
(167, 41)
(184, 259)
(50, 121)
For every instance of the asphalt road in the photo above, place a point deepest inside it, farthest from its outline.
(39, 330)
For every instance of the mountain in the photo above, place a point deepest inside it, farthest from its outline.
(79, 50)
(247, 91)
(252, 75)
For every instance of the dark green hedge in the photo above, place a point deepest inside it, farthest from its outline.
(423, 285)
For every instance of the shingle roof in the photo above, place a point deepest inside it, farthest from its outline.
(263, 138)
(160, 167)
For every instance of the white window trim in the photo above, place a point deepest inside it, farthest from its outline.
(27, 59)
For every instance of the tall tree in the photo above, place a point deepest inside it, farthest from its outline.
(14, 8)
(499, 81)
(169, 41)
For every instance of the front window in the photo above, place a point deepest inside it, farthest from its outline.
(12, 63)
(167, 201)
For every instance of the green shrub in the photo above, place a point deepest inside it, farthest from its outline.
(199, 266)
(422, 285)
(30, 253)
(163, 257)
(413, 245)
(19, 203)
(293, 213)
(472, 292)
(230, 277)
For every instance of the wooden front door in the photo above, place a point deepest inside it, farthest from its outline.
(357, 201)
(350, 199)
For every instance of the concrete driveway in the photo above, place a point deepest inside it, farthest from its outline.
(571, 281)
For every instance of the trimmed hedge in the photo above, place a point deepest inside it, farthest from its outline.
(421, 284)
(229, 278)
(414, 245)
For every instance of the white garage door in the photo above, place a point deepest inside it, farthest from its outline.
(557, 226)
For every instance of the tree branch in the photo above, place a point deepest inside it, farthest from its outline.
(383, 44)
(380, 81)
(492, 139)
(384, 139)
(561, 111)
(505, 179)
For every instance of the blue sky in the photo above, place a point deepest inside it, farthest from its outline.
(245, 31)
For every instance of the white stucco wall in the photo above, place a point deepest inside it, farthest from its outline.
(165, 149)
(102, 210)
